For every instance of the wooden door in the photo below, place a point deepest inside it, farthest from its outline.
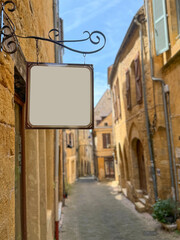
(20, 206)
(141, 165)
(109, 167)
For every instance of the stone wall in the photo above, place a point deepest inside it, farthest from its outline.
(7, 148)
(30, 18)
(167, 67)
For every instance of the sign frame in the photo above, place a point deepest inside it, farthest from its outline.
(29, 125)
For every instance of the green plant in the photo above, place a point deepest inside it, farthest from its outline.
(67, 188)
(165, 211)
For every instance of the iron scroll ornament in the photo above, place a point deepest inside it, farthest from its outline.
(9, 38)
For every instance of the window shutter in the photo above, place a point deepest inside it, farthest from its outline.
(178, 14)
(128, 90)
(115, 101)
(67, 139)
(104, 141)
(137, 70)
(109, 138)
(118, 98)
(160, 26)
(70, 141)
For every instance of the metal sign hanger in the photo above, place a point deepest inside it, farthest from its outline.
(9, 38)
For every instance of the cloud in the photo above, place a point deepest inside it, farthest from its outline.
(87, 12)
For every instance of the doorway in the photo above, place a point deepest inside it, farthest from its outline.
(109, 167)
(20, 231)
(141, 166)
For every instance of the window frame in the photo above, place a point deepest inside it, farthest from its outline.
(107, 137)
(178, 16)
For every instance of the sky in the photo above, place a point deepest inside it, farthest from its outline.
(112, 18)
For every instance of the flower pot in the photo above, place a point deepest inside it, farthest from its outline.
(178, 223)
(169, 227)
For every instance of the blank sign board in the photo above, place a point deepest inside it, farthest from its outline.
(59, 96)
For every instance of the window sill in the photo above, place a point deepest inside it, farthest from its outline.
(176, 55)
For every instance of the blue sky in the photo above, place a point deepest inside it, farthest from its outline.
(112, 17)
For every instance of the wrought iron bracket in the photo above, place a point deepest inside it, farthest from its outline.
(9, 38)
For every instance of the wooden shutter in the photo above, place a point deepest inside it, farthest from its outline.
(70, 139)
(108, 138)
(128, 90)
(114, 103)
(67, 139)
(160, 26)
(137, 70)
(118, 99)
(104, 141)
(178, 14)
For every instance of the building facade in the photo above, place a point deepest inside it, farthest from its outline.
(102, 134)
(85, 158)
(27, 171)
(71, 155)
(143, 106)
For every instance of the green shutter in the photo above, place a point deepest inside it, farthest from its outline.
(160, 26)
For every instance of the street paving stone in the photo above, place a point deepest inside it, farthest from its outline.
(96, 211)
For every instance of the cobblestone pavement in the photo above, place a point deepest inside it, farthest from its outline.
(96, 211)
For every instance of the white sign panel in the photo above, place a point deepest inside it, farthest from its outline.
(59, 96)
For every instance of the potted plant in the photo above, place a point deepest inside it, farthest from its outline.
(67, 189)
(166, 212)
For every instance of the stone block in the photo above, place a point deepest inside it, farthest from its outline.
(6, 78)
(178, 223)
(7, 141)
(140, 207)
(6, 106)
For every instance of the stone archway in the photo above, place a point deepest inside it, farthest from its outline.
(126, 165)
(141, 166)
(138, 160)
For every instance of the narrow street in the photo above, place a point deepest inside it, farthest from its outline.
(96, 211)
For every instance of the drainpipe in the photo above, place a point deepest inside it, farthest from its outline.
(77, 155)
(172, 145)
(150, 145)
(167, 121)
(56, 178)
(164, 91)
(56, 142)
(115, 158)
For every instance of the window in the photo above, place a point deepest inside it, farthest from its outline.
(105, 124)
(115, 103)
(106, 140)
(137, 70)
(160, 26)
(128, 90)
(98, 122)
(178, 14)
(70, 140)
(116, 100)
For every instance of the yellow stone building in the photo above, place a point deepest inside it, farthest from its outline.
(85, 158)
(103, 139)
(27, 173)
(78, 154)
(71, 155)
(145, 108)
